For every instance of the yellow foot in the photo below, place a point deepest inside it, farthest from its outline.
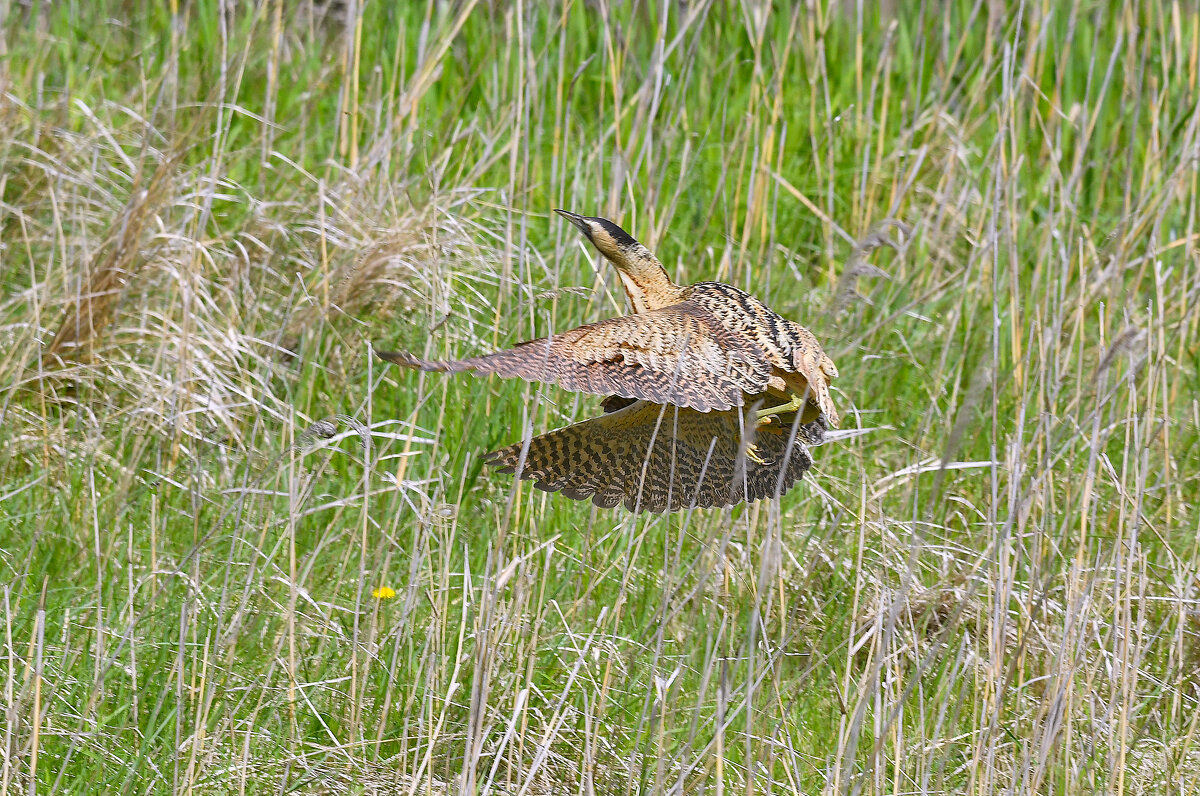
(752, 455)
(752, 449)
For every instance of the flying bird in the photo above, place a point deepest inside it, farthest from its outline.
(712, 397)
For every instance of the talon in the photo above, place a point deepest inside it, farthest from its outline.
(752, 455)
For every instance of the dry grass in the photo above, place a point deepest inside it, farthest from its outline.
(208, 212)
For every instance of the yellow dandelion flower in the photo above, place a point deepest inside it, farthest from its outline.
(384, 593)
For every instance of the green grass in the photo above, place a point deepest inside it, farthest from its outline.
(206, 217)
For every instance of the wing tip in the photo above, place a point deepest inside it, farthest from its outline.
(414, 362)
(401, 358)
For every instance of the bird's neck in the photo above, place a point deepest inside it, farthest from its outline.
(646, 281)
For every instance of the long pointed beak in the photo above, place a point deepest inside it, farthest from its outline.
(575, 219)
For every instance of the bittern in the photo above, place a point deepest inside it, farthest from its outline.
(709, 352)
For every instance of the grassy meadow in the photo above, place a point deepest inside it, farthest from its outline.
(986, 211)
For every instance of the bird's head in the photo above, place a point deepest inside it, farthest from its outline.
(613, 242)
(646, 283)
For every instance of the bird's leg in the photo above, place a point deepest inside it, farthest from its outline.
(763, 416)
(752, 449)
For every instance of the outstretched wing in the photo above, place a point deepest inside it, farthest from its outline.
(675, 355)
(655, 458)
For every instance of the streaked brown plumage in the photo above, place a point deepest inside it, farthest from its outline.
(675, 355)
(704, 353)
(710, 349)
(658, 458)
